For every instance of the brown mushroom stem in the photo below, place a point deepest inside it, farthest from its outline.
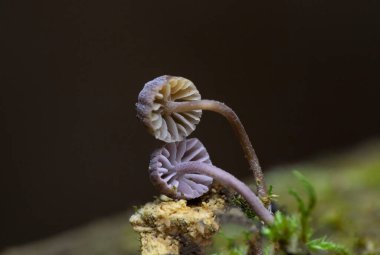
(239, 130)
(229, 181)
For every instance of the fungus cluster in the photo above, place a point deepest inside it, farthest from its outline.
(170, 107)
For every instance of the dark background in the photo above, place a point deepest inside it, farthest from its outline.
(302, 75)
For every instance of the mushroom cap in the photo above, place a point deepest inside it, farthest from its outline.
(150, 107)
(179, 185)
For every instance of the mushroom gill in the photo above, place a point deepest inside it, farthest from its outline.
(165, 177)
(164, 125)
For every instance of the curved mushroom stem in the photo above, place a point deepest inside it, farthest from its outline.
(239, 130)
(229, 181)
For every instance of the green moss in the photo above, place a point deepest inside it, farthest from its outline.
(347, 188)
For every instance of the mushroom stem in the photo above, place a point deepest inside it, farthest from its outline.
(229, 181)
(239, 130)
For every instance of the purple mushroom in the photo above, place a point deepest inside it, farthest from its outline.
(184, 170)
(151, 108)
(171, 107)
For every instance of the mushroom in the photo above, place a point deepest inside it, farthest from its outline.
(171, 107)
(184, 170)
(151, 108)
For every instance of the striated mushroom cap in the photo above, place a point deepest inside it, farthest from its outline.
(177, 185)
(150, 107)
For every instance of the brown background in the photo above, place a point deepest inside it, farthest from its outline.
(302, 75)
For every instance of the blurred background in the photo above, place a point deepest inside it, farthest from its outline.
(303, 77)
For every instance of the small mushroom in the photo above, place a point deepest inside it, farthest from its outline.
(151, 110)
(169, 182)
(171, 107)
(184, 170)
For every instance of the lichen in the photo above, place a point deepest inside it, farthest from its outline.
(166, 226)
(155, 244)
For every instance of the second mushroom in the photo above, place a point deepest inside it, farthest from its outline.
(184, 170)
